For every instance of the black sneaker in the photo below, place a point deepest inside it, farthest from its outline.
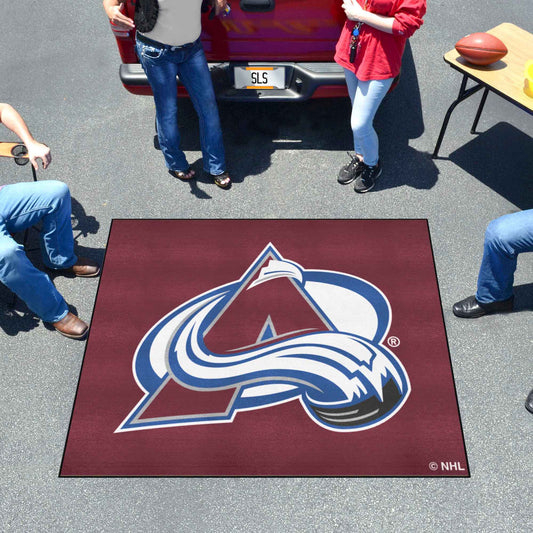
(350, 171)
(367, 179)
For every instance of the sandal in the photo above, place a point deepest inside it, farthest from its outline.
(221, 180)
(183, 175)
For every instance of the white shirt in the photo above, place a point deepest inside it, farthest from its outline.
(178, 22)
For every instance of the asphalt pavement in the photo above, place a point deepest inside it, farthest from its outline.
(59, 68)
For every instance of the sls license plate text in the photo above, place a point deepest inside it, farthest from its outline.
(259, 77)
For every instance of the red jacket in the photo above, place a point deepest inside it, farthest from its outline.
(379, 54)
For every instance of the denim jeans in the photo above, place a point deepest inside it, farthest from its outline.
(505, 238)
(21, 206)
(161, 66)
(366, 96)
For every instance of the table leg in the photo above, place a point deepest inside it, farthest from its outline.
(480, 110)
(464, 93)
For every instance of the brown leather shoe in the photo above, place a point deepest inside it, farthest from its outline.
(71, 326)
(84, 268)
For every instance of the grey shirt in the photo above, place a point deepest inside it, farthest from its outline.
(178, 22)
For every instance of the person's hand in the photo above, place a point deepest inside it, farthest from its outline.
(121, 21)
(37, 150)
(220, 6)
(353, 10)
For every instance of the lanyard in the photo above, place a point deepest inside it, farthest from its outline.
(355, 36)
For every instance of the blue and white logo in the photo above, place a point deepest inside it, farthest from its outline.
(339, 369)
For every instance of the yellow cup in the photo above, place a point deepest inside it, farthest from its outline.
(528, 81)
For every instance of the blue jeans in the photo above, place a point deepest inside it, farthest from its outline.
(505, 238)
(366, 96)
(21, 206)
(161, 66)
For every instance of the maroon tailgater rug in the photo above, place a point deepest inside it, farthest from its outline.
(267, 348)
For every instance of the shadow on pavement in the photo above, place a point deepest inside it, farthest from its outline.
(523, 296)
(254, 131)
(399, 120)
(81, 222)
(15, 320)
(502, 159)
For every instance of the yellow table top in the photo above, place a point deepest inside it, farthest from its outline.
(507, 75)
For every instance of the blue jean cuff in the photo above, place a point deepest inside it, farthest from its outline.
(64, 266)
(486, 301)
(61, 316)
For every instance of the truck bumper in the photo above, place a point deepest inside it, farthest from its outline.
(303, 81)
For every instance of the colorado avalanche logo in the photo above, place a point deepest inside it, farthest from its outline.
(278, 334)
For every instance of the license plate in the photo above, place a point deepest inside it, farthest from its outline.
(260, 77)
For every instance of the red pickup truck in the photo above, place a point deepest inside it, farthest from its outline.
(263, 50)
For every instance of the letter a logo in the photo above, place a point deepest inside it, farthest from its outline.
(280, 333)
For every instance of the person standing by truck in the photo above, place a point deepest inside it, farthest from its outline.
(370, 49)
(168, 45)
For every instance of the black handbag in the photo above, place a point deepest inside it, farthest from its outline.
(146, 12)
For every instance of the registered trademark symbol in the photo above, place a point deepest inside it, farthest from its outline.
(393, 342)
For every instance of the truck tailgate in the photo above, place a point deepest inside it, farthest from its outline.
(294, 30)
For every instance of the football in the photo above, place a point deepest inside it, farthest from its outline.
(481, 48)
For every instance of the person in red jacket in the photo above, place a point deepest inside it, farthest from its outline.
(370, 49)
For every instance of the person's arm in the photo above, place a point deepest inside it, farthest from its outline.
(113, 10)
(356, 13)
(406, 20)
(36, 150)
